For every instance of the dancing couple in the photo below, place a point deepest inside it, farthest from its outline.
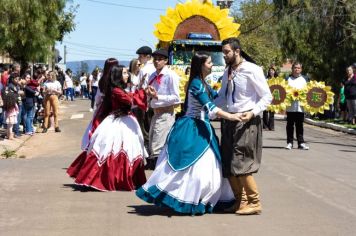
(192, 176)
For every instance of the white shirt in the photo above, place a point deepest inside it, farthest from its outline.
(167, 90)
(250, 91)
(297, 83)
(147, 70)
(95, 81)
(134, 82)
(51, 86)
(68, 81)
(83, 80)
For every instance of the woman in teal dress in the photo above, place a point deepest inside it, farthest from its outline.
(188, 176)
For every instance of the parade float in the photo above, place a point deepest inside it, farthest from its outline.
(194, 26)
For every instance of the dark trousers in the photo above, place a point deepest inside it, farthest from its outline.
(297, 119)
(268, 120)
(92, 98)
(144, 120)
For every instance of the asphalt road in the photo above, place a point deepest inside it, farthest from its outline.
(303, 192)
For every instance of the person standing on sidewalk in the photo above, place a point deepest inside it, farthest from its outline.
(268, 116)
(51, 90)
(295, 113)
(163, 93)
(350, 95)
(244, 91)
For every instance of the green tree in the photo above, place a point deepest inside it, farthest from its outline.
(258, 30)
(321, 34)
(29, 28)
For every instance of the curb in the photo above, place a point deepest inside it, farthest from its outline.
(322, 124)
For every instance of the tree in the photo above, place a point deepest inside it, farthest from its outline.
(319, 33)
(258, 30)
(84, 67)
(29, 28)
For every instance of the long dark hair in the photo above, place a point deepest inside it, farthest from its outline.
(198, 60)
(109, 63)
(114, 80)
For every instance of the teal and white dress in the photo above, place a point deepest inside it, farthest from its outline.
(188, 176)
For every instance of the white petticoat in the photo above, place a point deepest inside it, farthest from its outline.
(115, 135)
(201, 184)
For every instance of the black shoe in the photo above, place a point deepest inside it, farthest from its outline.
(57, 130)
(44, 130)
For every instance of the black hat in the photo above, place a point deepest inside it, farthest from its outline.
(354, 65)
(144, 50)
(160, 52)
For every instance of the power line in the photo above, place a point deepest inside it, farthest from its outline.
(97, 56)
(127, 6)
(93, 50)
(97, 47)
(98, 53)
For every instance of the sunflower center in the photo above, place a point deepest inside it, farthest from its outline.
(196, 24)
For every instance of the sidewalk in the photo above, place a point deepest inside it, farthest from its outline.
(8, 148)
(321, 124)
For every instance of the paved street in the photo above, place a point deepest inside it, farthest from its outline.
(303, 192)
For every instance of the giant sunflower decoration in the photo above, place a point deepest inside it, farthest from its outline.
(299, 95)
(318, 97)
(183, 82)
(165, 30)
(281, 98)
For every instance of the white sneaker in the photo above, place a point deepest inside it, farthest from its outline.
(303, 146)
(289, 146)
(91, 110)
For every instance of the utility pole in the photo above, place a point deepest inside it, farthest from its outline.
(65, 55)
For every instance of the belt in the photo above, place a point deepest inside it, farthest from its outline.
(161, 110)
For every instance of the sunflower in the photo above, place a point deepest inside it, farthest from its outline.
(166, 28)
(183, 82)
(280, 90)
(216, 86)
(318, 97)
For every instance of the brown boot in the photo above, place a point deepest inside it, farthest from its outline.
(239, 193)
(254, 204)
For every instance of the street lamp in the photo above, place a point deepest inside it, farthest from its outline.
(224, 3)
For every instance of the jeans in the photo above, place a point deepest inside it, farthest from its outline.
(29, 111)
(84, 91)
(70, 93)
(93, 93)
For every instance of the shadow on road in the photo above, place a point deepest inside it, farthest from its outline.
(80, 188)
(274, 147)
(347, 151)
(152, 210)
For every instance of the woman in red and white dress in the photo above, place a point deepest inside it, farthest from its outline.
(98, 115)
(114, 158)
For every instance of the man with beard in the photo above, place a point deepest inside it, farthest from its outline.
(245, 91)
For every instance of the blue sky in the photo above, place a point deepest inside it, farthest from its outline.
(105, 29)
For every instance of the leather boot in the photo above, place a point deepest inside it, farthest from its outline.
(254, 204)
(239, 193)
